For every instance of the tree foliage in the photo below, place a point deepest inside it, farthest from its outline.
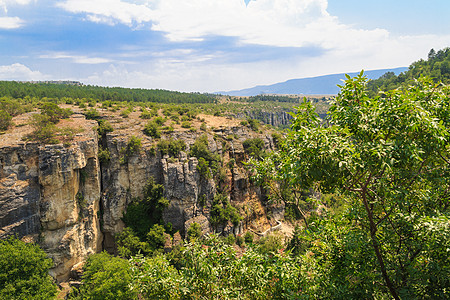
(24, 271)
(105, 277)
(437, 67)
(389, 158)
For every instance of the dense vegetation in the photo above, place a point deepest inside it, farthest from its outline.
(437, 67)
(387, 160)
(24, 271)
(59, 91)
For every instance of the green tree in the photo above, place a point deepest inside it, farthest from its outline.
(105, 277)
(24, 271)
(194, 231)
(388, 156)
(5, 120)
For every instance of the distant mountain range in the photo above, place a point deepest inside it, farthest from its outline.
(321, 85)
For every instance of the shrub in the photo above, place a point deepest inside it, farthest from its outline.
(146, 114)
(254, 124)
(141, 214)
(5, 120)
(24, 271)
(156, 237)
(125, 113)
(129, 244)
(270, 244)
(203, 168)
(104, 127)
(230, 240)
(54, 112)
(105, 277)
(92, 114)
(186, 124)
(200, 150)
(44, 130)
(240, 240)
(171, 147)
(152, 129)
(254, 147)
(194, 231)
(222, 211)
(160, 121)
(11, 106)
(248, 237)
(134, 144)
(103, 155)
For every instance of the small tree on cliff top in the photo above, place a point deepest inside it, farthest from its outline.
(389, 157)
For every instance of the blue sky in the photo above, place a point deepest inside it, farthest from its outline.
(212, 45)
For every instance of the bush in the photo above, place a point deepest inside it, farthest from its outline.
(194, 231)
(134, 144)
(186, 124)
(54, 112)
(44, 130)
(254, 147)
(203, 168)
(222, 211)
(103, 155)
(11, 106)
(105, 277)
(156, 238)
(270, 244)
(146, 114)
(171, 147)
(248, 237)
(254, 124)
(142, 214)
(129, 244)
(152, 129)
(5, 120)
(24, 271)
(92, 114)
(240, 240)
(200, 150)
(104, 127)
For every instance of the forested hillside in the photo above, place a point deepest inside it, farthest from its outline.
(59, 91)
(437, 67)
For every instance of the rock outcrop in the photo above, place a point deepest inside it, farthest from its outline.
(50, 194)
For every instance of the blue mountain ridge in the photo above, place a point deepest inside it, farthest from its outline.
(320, 85)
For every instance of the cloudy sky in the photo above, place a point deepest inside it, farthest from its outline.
(213, 45)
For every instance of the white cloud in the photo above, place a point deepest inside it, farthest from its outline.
(282, 23)
(79, 59)
(20, 72)
(10, 22)
(278, 23)
(109, 11)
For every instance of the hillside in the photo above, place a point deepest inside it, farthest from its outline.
(437, 67)
(321, 85)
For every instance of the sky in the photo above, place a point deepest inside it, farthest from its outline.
(213, 45)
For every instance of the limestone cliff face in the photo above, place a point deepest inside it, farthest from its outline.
(124, 179)
(276, 119)
(72, 205)
(51, 194)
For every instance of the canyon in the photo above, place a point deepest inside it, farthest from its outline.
(64, 198)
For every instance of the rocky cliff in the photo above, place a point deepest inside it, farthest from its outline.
(63, 198)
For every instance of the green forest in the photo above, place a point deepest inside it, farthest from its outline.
(369, 191)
